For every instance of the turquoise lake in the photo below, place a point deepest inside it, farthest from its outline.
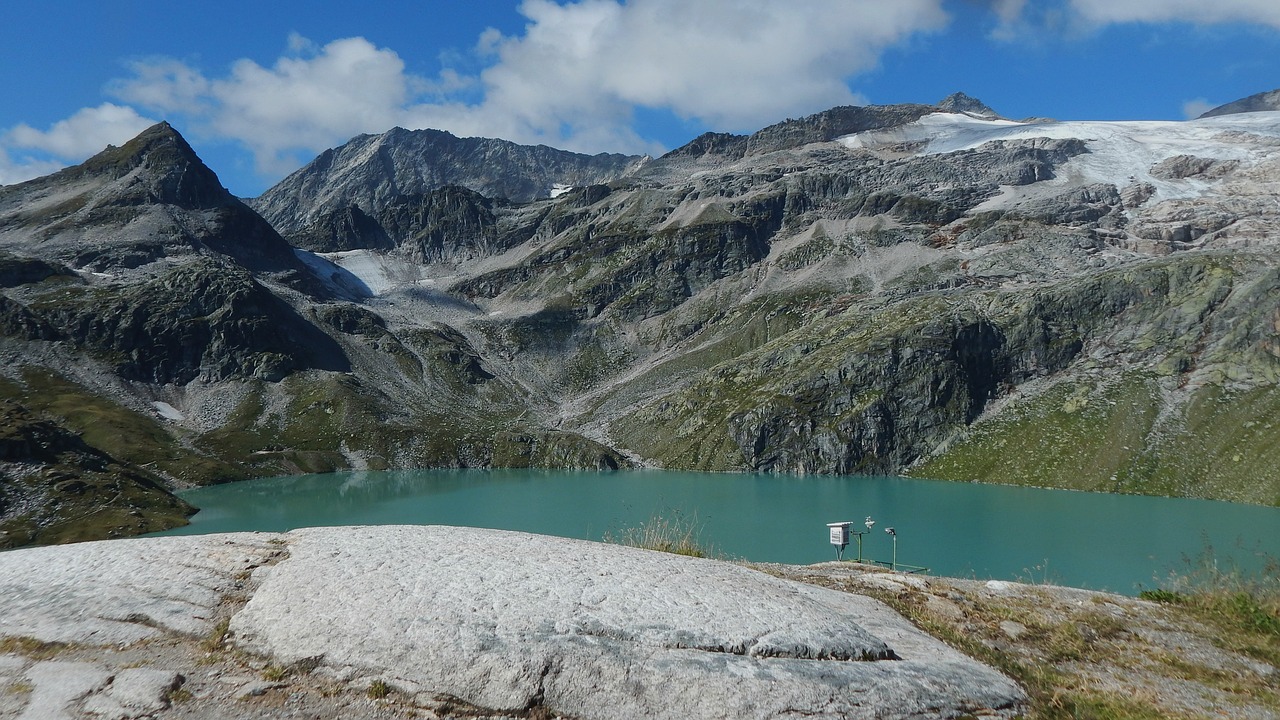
(1122, 543)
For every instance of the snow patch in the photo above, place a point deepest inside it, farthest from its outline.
(167, 411)
(363, 273)
(1117, 150)
(558, 189)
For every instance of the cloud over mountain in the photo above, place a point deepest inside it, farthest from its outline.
(580, 75)
(572, 79)
(84, 133)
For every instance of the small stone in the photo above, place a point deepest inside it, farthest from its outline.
(1013, 629)
(944, 608)
(1001, 587)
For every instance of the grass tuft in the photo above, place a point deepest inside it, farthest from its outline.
(31, 648)
(1243, 606)
(216, 639)
(678, 534)
(378, 690)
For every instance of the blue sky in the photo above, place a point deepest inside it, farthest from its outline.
(259, 88)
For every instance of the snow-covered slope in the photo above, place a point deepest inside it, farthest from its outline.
(1119, 152)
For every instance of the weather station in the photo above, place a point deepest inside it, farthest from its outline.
(839, 533)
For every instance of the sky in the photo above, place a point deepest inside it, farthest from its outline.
(260, 88)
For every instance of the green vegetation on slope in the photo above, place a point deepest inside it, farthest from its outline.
(1111, 436)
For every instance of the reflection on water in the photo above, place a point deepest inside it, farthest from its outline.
(1117, 542)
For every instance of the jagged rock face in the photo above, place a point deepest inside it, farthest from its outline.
(962, 103)
(348, 228)
(203, 320)
(819, 127)
(831, 124)
(371, 171)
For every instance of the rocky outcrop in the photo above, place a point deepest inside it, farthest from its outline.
(553, 449)
(505, 623)
(54, 488)
(202, 320)
(831, 124)
(362, 623)
(1262, 102)
(959, 102)
(129, 206)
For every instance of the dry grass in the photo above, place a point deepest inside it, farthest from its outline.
(1082, 655)
(378, 690)
(1243, 608)
(32, 648)
(677, 533)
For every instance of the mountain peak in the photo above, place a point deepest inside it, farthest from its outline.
(170, 170)
(1262, 102)
(962, 103)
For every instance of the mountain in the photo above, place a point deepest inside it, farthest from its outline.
(129, 206)
(371, 170)
(929, 289)
(1261, 102)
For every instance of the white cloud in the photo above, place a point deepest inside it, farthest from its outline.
(1265, 12)
(1193, 109)
(1009, 17)
(733, 64)
(26, 152)
(573, 79)
(16, 171)
(164, 85)
(83, 134)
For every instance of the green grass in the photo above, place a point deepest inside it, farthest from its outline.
(122, 433)
(1243, 607)
(1054, 694)
(378, 689)
(32, 648)
(1110, 437)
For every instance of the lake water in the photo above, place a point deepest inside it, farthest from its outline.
(1122, 543)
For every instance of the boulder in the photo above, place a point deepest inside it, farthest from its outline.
(511, 621)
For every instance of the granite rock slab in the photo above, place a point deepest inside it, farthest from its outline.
(511, 621)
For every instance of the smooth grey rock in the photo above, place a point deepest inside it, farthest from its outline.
(509, 620)
(59, 685)
(11, 664)
(122, 591)
(134, 693)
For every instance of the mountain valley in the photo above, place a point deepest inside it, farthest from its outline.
(922, 289)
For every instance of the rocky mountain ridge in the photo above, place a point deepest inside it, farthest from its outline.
(371, 170)
(929, 289)
(1262, 102)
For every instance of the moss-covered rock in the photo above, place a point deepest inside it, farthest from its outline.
(56, 488)
(553, 449)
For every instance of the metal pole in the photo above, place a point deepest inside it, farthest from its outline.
(895, 553)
